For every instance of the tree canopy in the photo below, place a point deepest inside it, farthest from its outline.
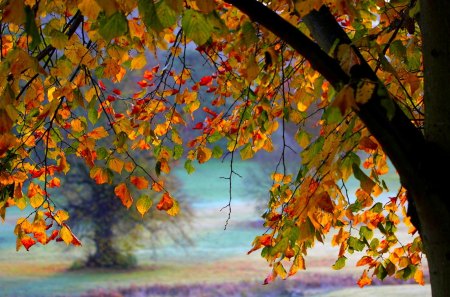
(334, 75)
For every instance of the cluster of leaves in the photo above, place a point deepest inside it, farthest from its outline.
(58, 56)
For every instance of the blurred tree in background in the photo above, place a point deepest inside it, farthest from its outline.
(113, 231)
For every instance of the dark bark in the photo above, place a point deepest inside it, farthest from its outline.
(415, 158)
(434, 205)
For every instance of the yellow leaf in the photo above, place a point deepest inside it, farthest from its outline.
(301, 107)
(90, 8)
(252, 69)
(66, 234)
(61, 216)
(203, 154)
(138, 62)
(364, 91)
(37, 200)
(347, 57)
(345, 99)
(77, 125)
(116, 165)
(143, 204)
(175, 209)
(98, 133)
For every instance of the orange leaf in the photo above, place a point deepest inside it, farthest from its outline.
(98, 133)
(324, 202)
(27, 242)
(158, 186)
(140, 182)
(366, 260)
(54, 183)
(364, 280)
(122, 192)
(100, 175)
(266, 240)
(165, 203)
(418, 277)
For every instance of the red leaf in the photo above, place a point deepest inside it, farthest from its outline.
(143, 83)
(198, 126)
(27, 242)
(205, 80)
(148, 75)
(117, 91)
(206, 109)
(102, 86)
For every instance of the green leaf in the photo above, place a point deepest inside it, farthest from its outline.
(31, 28)
(381, 272)
(366, 182)
(246, 152)
(147, 9)
(178, 151)
(340, 263)
(102, 153)
(377, 208)
(196, 26)
(355, 244)
(92, 111)
(366, 233)
(170, 15)
(280, 247)
(188, 166)
(217, 152)
(113, 26)
(249, 33)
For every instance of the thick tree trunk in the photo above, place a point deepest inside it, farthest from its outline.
(418, 161)
(434, 207)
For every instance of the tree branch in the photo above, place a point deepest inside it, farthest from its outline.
(401, 140)
(319, 60)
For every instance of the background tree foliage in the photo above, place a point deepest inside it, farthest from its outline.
(352, 68)
(112, 231)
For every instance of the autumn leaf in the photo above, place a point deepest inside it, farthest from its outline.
(165, 203)
(100, 175)
(143, 204)
(121, 191)
(324, 202)
(27, 242)
(61, 216)
(139, 181)
(345, 99)
(66, 234)
(203, 154)
(364, 280)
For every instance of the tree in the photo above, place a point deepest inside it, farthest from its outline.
(114, 230)
(370, 74)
